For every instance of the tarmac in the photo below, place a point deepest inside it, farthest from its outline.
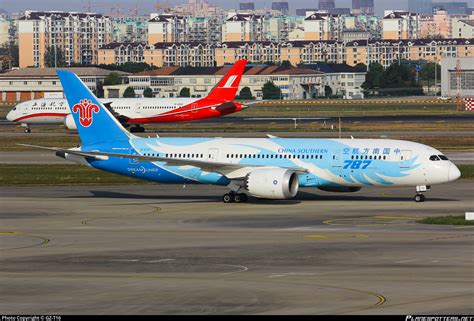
(172, 250)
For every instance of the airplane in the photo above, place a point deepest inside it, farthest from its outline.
(134, 112)
(266, 168)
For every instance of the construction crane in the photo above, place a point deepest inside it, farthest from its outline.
(459, 102)
(162, 6)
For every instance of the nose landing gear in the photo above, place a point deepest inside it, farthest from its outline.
(419, 197)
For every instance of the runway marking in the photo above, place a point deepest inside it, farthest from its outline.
(405, 261)
(160, 261)
(366, 220)
(44, 240)
(242, 268)
(156, 209)
(340, 236)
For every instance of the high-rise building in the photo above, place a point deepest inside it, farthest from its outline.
(420, 6)
(451, 7)
(246, 6)
(326, 5)
(364, 6)
(283, 7)
(77, 35)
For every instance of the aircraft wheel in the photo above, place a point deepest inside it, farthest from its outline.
(419, 198)
(227, 198)
(27, 130)
(243, 198)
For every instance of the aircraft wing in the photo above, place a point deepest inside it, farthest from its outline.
(230, 170)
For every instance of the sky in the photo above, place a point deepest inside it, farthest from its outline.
(147, 6)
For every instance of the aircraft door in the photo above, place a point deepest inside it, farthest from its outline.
(405, 156)
(213, 154)
(133, 161)
(194, 107)
(337, 158)
(138, 108)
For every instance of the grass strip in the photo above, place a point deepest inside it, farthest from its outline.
(446, 220)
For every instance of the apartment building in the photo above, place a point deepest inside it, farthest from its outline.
(167, 28)
(323, 26)
(130, 29)
(463, 28)
(306, 52)
(119, 53)
(204, 29)
(77, 35)
(400, 25)
(244, 27)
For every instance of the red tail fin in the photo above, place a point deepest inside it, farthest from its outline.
(227, 87)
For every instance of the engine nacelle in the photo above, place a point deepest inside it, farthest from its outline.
(272, 183)
(340, 189)
(69, 122)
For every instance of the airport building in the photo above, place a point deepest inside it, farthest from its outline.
(304, 82)
(454, 80)
(34, 83)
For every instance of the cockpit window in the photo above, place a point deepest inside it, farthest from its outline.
(14, 108)
(434, 158)
(443, 157)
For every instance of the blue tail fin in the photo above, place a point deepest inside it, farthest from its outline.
(94, 122)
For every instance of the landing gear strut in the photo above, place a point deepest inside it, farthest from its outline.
(419, 197)
(27, 128)
(233, 197)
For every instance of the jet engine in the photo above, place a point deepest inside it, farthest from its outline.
(340, 189)
(69, 122)
(273, 183)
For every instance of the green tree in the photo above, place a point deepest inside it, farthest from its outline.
(428, 71)
(327, 91)
(148, 92)
(270, 91)
(374, 76)
(10, 50)
(129, 93)
(185, 92)
(54, 58)
(112, 79)
(245, 94)
(99, 92)
(286, 63)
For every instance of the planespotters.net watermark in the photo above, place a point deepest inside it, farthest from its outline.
(30, 318)
(438, 318)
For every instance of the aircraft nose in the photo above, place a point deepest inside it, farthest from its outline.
(10, 115)
(453, 173)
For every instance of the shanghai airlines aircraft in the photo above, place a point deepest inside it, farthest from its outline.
(271, 168)
(136, 111)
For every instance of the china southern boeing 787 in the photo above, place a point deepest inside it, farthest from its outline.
(270, 168)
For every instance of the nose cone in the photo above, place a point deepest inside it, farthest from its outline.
(453, 173)
(10, 116)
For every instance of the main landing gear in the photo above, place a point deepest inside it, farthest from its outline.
(233, 197)
(27, 128)
(419, 197)
(137, 129)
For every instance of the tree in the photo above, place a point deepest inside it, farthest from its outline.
(185, 92)
(327, 91)
(148, 92)
(286, 63)
(54, 58)
(428, 71)
(270, 91)
(129, 93)
(112, 79)
(374, 76)
(11, 53)
(245, 94)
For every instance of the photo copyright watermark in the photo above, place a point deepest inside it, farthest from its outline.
(30, 318)
(438, 318)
